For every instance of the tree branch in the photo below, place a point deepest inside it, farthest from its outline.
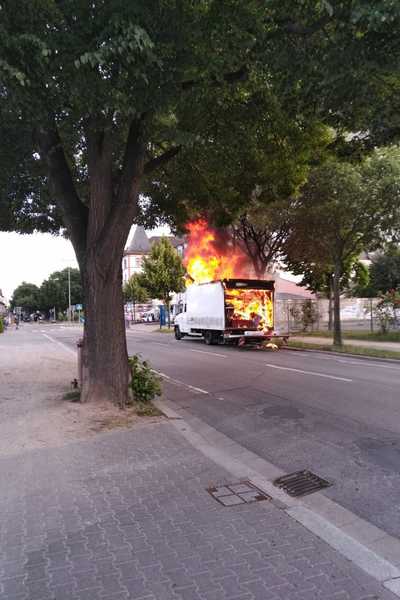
(160, 160)
(61, 184)
(124, 209)
(232, 77)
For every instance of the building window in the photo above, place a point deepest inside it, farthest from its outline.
(125, 263)
(138, 261)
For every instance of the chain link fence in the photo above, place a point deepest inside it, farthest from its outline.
(299, 315)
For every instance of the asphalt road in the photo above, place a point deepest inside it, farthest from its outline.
(337, 416)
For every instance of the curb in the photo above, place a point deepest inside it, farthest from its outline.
(367, 546)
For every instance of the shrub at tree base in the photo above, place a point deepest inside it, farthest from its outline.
(145, 384)
(1, 325)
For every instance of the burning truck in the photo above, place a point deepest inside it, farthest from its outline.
(221, 303)
(236, 311)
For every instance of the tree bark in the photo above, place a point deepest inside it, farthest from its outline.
(105, 355)
(337, 329)
(330, 303)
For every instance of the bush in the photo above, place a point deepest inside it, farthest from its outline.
(309, 314)
(387, 310)
(145, 384)
(1, 325)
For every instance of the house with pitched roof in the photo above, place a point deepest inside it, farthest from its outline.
(139, 247)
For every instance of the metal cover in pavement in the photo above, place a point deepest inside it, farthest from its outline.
(301, 483)
(232, 494)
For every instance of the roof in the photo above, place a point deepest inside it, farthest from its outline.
(287, 289)
(175, 241)
(140, 242)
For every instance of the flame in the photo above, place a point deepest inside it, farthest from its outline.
(209, 256)
(249, 309)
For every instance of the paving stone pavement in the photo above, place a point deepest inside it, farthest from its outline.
(126, 515)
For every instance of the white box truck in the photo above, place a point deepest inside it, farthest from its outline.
(238, 311)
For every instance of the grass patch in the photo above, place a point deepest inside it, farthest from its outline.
(146, 409)
(346, 349)
(164, 330)
(74, 396)
(391, 336)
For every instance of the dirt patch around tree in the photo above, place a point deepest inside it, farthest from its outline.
(36, 401)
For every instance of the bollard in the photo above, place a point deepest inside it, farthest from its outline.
(79, 345)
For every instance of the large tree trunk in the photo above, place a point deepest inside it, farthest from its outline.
(105, 356)
(337, 328)
(98, 226)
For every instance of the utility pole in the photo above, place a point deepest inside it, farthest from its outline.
(69, 294)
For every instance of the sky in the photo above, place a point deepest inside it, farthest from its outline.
(33, 257)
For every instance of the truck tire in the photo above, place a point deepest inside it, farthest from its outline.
(178, 333)
(209, 338)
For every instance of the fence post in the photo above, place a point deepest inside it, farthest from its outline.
(371, 316)
(288, 316)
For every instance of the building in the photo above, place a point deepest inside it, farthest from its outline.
(3, 309)
(139, 247)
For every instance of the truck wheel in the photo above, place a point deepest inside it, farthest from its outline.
(178, 334)
(208, 337)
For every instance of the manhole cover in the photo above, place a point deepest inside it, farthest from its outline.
(232, 494)
(301, 483)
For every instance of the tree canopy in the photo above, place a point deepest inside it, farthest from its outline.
(163, 272)
(54, 291)
(342, 210)
(384, 274)
(26, 296)
(134, 290)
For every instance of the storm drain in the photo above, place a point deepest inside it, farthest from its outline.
(301, 483)
(243, 492)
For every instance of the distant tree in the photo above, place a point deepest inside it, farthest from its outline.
(385, 272)
(27, 296)
(342, 210)
(262, 232)
(54, 290)
(135, 292)
(163, 273)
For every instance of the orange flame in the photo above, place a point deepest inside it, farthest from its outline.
(249, 309)
(209, 257)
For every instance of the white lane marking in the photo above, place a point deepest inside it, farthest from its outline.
(178, 382)
(161, 343)
(212, 353)
(359, 362)
(314, 373)
(64, 346)
(366, 364)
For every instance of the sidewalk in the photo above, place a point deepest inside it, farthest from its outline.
(394, 346)
(126, 514)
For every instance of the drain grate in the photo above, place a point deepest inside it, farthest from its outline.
(301, 483)
(233, 494)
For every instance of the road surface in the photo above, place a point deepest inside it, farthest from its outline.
(335, 415)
